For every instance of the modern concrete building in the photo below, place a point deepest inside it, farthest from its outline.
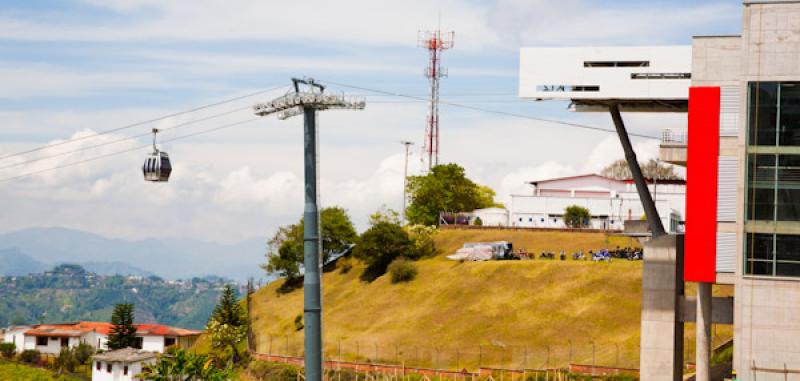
(742, 152)
(758, 192)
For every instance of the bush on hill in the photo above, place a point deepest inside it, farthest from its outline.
(379, 246)
(30, 356)
(402, 270)
(8, 350)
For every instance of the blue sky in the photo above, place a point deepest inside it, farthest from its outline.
(78, 67)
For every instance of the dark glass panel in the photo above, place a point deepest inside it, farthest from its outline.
(759, 246)
(789, 134)
(761, 187)
(763, 113)
(759, 268)
(787, 247)
(787, 269)
(788, 207)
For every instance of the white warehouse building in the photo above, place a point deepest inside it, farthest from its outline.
(611, 202)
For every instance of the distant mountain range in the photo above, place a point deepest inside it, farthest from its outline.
(37, 249)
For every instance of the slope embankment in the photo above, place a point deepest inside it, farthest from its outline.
(509, 314)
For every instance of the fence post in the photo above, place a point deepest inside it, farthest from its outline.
(525, 359)
(375, 359)
(480, 355)
(287, 345)
(270, 345)
(458, 359)
(358, 347)
(616, 362)
(594, 363)
(339, 357)
(548, 357)
(570, 350)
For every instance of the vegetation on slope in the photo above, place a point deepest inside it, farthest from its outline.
(474, 312)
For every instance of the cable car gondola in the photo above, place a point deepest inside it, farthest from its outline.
(156, 167)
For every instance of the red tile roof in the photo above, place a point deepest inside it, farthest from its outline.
(82, 327)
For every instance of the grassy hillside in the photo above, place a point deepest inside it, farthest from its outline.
(20, 372)
(499, 313)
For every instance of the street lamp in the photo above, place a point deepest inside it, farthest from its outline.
(308, 102)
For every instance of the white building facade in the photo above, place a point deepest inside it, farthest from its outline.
(121, 365)
(50, 338)
(610, 202)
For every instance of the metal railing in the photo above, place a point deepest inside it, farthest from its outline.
(674, 137)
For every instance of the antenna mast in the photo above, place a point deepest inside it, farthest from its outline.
(436, 42)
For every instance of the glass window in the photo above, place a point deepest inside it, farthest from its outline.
(761, 187)
(41, 340)
(763, 113)
(98, 365)
(789, 133)
(788, 192)
(125, 370)
(759, 254)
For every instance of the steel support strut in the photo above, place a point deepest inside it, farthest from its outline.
(653, 219)
(312, 285)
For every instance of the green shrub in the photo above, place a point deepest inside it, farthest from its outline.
(8, 350)
(83, 353)
(262, 370)
(298, 322)
(66, 360)
(402, 270)
(30, 356)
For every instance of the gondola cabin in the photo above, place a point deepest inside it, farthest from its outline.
(157, 167)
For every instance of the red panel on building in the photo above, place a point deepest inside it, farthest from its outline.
(702, 158)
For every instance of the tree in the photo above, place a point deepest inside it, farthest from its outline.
(576, 216)
(653, 169)
(123, 332)
(285, 254)
(380, 245)
(228, 323)
(445, 189)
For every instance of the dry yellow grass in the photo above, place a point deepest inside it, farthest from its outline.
(498, 313)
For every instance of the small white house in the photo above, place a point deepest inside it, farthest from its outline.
(16, 335)
(491, 216)
(50, 338)
(121, 365)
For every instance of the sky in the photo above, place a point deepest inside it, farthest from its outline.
(70, 69)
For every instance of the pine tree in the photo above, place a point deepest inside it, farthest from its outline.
(228, 323)
(123, 332)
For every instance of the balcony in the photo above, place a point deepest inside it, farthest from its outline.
(673, 146)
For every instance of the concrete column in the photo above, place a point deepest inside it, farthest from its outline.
(661, 347)
(703, 332)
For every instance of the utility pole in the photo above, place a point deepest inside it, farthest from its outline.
(307, 103)
(407, 144)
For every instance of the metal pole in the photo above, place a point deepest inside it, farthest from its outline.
(405, 180)
(653, 219)
(312, 299)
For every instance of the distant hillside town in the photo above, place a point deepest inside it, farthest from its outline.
(70, 293)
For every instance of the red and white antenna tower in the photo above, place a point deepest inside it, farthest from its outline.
(436, 42)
